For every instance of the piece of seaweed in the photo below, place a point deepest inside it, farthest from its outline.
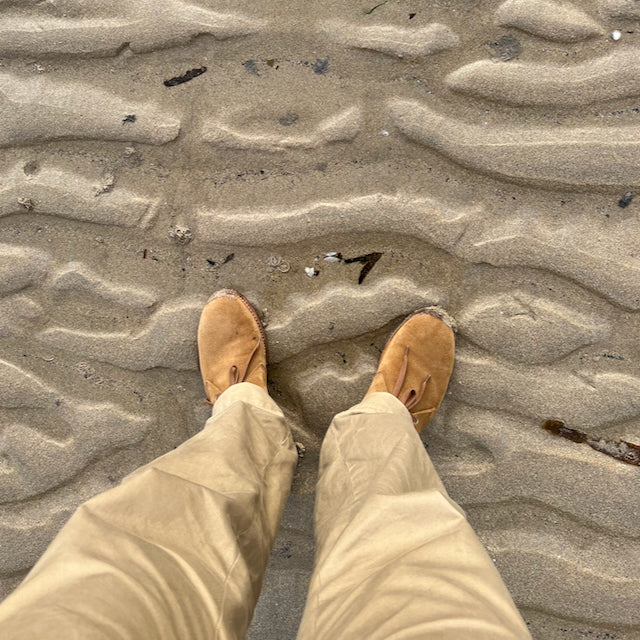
(618, 449)
(368, 261)
(368, 13)
(188, 75)
(229, 258)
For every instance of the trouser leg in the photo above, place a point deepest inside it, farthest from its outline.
(395, 556)
(179, 549)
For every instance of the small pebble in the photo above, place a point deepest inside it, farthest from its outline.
(311, 272)
(616, 34)
(625, 201)
(384, 132)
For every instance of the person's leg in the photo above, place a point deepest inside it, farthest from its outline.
(395, 556)
(179, 549)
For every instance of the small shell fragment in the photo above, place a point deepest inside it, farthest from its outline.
(181, 234)
(616, 34)
(107, 184)
(332, 256)
(311, 272)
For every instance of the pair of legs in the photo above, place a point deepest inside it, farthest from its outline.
(179, 549)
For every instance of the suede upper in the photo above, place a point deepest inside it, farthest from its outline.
(231, 344)
(429, 357)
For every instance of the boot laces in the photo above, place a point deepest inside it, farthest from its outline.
(238, 375)
(410, 398)
(234, 376)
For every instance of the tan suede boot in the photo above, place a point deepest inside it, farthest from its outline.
(232, 345)
(416, 363)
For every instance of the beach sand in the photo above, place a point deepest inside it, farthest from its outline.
(479, 155)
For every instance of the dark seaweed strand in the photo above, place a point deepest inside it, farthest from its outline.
(618, 449)
(189, 75)
(369, 260)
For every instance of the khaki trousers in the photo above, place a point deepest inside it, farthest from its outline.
(179, 549)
